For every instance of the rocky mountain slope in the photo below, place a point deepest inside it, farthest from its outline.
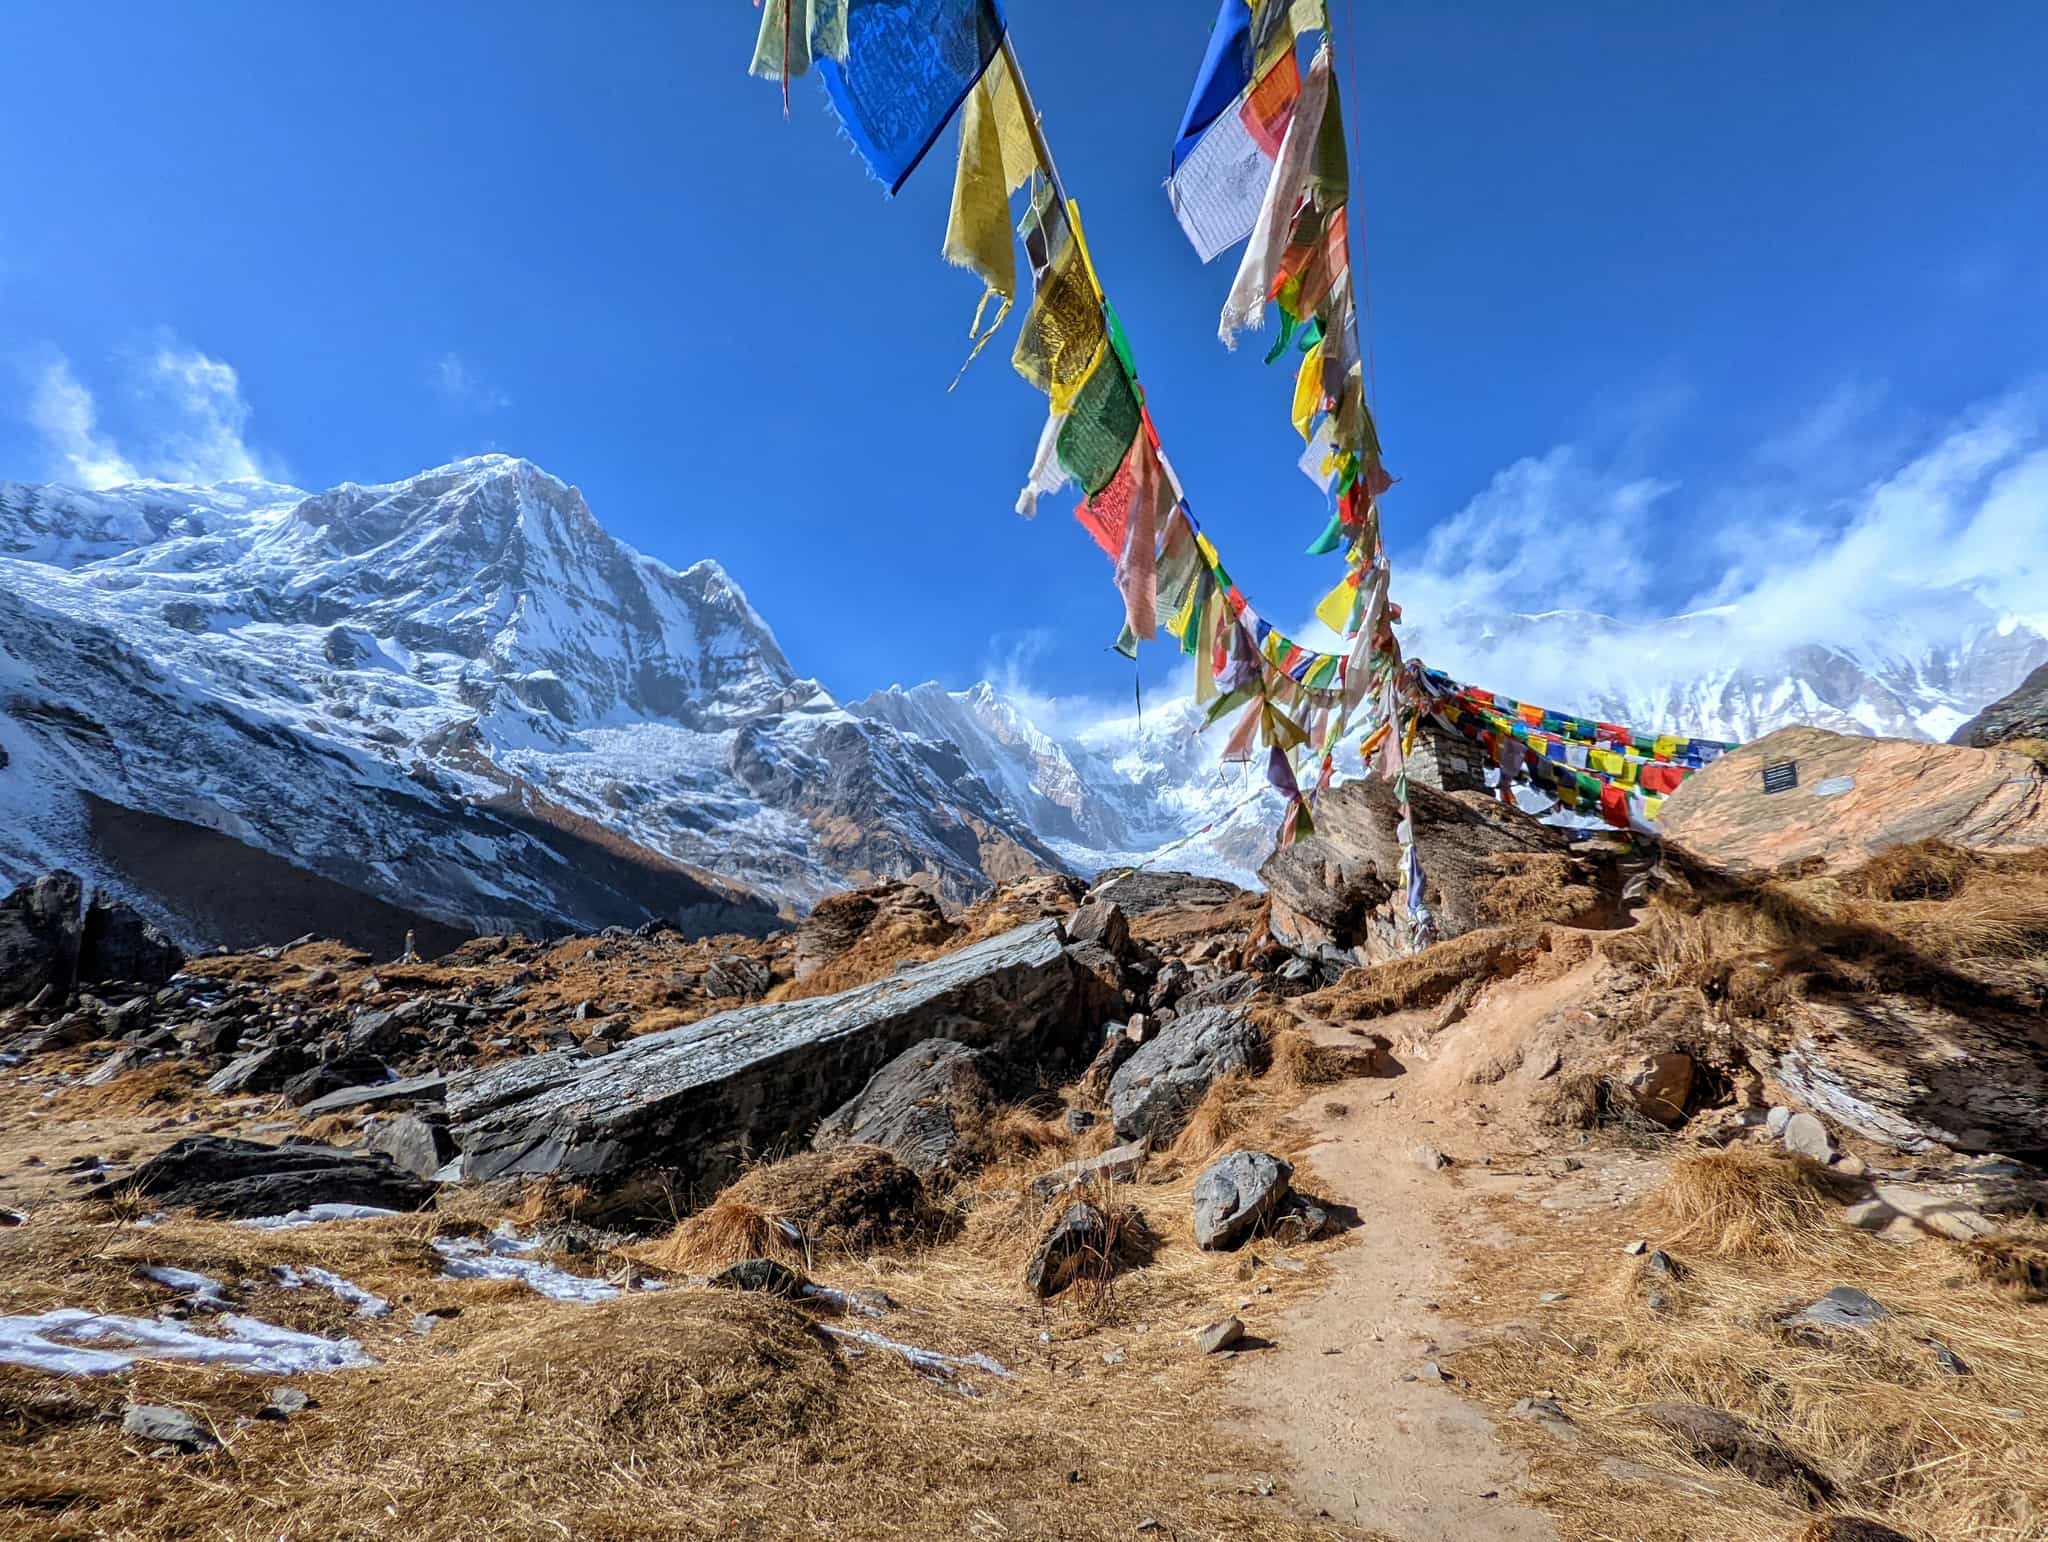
(456, 693)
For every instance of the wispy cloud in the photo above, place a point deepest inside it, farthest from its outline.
(1851, 527)
(463, 384)
(62, 411)
(186, 420)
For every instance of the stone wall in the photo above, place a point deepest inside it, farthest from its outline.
(1446, 761)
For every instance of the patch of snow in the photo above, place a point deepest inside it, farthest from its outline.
(313, 1215)
(942, 1368)
(204, 1290)
(498, 1258)
(54, 1341)
(365, 1303)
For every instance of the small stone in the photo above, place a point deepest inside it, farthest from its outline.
(284, 1402)
(1657, 1261)
(1113, 1357)
(1659, 1085)
(1235, 1195)
(1431, 1371)
(1141, 1029)
(760, 1274)
(1843, 1307)
(168, 1426)
(1807, 1136)
(1430, 1159)
(1219, 1336)
(1851, 1166)
(1948, 1359)
(1776, 1120)
(1080, 1119)
(1551, 1297)
(1637, 1248)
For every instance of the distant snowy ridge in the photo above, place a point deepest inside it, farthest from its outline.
(458, 695)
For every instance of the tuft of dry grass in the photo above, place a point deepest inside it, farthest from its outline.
(1426, 978)
(1928, 919)
(1750, 1204)
(851, 1199)
(1900, 1437)
(2018, 1262)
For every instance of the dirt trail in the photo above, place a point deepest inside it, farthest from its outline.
(1376, 1442)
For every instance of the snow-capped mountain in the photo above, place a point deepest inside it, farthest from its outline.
(458, 698)
(455, 693)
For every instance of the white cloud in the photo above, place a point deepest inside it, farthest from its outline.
(200, 437)
(63, 412)
(187, 423)
(1843, 530)
(458, 380)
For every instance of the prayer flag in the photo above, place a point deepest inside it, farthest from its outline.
(909, 64)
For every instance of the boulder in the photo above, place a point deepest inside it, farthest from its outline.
(924, 1106)
(217, 1176)
(408, 1089)
(1227, 991)
(1101, 921)
(40, 932)
(116, 943)
(349, 1074)
(262, 1070)
(681, 1110)
(1080, 1234)
(1153, 1093)
(1138, 893)
(1093, 1087)
(1237, 1194)
(2022, 715)
(1119, 1164)
(1658, 1086)
(737, 975)
(1855, 799)
(1337, 895)
(417, 1145)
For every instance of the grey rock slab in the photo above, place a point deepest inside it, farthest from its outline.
(1843, 1307)
(914, 1107)
(408, 1089)
(419, 1146)
(1219, 1336)
(1119, 1164)
(1154, 1092)
(1236, 1195)
(680, 1110)
(167, 1426)
(238, 1178)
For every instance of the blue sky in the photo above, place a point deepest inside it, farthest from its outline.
(1660, 295)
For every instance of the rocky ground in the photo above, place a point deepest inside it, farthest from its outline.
(1670, 1194)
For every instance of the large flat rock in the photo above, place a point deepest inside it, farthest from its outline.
(675, 1115)
(1855, 798)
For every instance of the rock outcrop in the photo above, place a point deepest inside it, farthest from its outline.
(239, 1178)
(1337, 894)
(678, 1112)
(50, 939)
(1854, 798)
(2021, 715)
(922, 1106)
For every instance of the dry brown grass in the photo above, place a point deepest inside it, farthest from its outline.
(1426, 978)
(1929, 919)
(1538, 886)
(683, 1413)
(852, 1199)
(1901, 1439)
(2035, 750)
(1749, 1203)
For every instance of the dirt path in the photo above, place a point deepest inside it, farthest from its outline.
(1347, 1392)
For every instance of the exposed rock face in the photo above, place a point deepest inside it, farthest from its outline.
(417, 1145)
(915, 1107)
(46, 941)
(1142, 892)
(39, 938)
(679, 1111)
(1337, 894)
(1912, 1074)
(2022, 715)
(1237, 1194)
(1855, 798)
(240, 1178)
(1154, 1092)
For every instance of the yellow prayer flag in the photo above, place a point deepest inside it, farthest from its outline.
(1334, 609)
(1308, 391)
